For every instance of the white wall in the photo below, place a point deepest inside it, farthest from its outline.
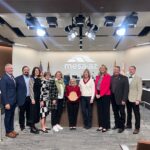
(140, 57)
(24, 56)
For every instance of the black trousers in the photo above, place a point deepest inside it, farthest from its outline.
(136, 109)
(72, 109)
(86, 107)
(119, 113)
(9, 119)
(57, 113)
(24, 109)
(103, 110)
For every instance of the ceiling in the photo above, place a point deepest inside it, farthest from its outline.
(14, 11)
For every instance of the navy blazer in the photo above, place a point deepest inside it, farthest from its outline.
(21, 90)
(8, 90)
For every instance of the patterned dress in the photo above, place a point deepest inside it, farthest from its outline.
(48, 94)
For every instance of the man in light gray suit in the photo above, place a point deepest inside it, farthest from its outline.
(134, 98)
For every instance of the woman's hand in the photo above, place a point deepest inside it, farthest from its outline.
(98, 96)
(41, 103)
(54, 102)
(33, 101)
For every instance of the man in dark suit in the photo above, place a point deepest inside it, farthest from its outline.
(8, 95)
(120, 90)
(23, 97)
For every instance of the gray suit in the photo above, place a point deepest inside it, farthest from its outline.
(135, 89)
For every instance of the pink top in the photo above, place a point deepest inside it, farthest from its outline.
(104, 85)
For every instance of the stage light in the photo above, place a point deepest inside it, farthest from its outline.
(41, 32)
(109, 21)
(121, 31)
(72, 35)
(90, 35)
(131, 20)
(52, 22)
(79, 20)
(31, 21)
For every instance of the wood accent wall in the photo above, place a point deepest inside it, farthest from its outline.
(5, 57)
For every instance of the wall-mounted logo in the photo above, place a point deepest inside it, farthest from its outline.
(80, 62)
(81, 58)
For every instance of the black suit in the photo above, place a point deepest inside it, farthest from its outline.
(23, 101)
(120, 90)
(8, 95)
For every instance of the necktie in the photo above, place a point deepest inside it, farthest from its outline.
(130, 77)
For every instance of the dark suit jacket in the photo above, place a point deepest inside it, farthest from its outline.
(21, 90)
(8, 90)
(121, 90)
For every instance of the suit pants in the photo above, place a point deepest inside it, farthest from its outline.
(136, 109)
(103, 110)
(119, 114)
(24, 109)
(86, 107)
(72, 113)
(9, 119)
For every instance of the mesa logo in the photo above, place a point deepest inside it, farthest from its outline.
(80, 62)
(81, 58)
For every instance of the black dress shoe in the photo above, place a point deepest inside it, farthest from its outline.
(120, 130)
(114, 128)
(128, 127)
(99, 129)
(22, 128)
(104, 130)
(33, 130)
(44, 131)
(136, 131)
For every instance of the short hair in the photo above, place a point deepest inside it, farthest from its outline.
(47, 73)
(133, 67)
(73, 79)
(117, 67)
(8, 65)
(88, 71)
(33, 71)
(24, 67)
(60, 73)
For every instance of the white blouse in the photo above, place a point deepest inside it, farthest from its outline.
(87, 89)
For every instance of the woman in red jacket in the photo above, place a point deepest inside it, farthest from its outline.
(102, 86)
(73, 96)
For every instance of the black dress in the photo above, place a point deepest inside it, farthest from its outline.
(35, 108)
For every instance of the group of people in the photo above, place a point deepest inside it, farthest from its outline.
(38, 94)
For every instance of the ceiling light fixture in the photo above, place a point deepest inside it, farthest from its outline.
(52, 22)
(109, 21)
(41, 32)
(79, 22)
(121, 31)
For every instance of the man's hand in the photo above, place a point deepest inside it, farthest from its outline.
(7, 106)
(137, 102)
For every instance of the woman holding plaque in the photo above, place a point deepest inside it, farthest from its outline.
(102, 86)
(73, 96)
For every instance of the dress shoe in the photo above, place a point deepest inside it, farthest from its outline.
(22, 128)
(74, 128)
(44, 131)
(11, 135)
(104, 130)
(128, 127)
(114, 128)
(48, 128)
(136, 131)
(33, 130)
(99, 129)
(120, 130)
(16, 133)
(59, 127)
